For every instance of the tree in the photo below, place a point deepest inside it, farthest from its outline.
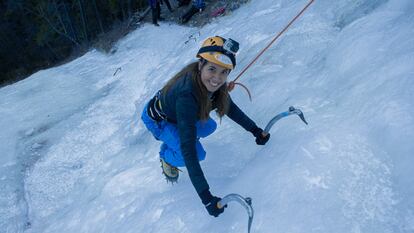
(38, 33)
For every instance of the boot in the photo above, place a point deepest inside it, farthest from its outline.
(170, 172)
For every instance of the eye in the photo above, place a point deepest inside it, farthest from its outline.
(225, 71)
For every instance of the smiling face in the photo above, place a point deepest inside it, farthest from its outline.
(213, 76)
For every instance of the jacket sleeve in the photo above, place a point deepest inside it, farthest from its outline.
(187, 110)
(238, 116)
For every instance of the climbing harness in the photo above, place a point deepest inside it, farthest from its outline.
(233, 83)
(281, 115)
(245, 202)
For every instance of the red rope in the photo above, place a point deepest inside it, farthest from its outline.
(231, 85)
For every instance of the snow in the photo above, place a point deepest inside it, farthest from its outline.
(75, 156)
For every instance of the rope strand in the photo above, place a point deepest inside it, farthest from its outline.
(232, 83)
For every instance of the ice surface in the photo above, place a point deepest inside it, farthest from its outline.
(76, 158)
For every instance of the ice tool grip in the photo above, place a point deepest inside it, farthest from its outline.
(245, 202)
(281, 115)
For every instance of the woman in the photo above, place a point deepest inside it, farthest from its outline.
(178, 114)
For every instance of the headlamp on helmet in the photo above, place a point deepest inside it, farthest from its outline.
(219, 51)
(231, 46)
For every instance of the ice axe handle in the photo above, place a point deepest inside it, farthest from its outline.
(221, 205)
(245, 202)
(292, 110)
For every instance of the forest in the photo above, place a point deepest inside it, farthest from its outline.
(36, 34)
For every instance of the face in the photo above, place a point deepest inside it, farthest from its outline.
(213, 76)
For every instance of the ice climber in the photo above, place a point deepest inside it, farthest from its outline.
(197, 6)
(156, 10)
(178, 115)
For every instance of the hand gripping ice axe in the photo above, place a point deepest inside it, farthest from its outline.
(281, 115)
(245, 202)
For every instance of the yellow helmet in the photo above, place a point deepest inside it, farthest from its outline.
(219, 51)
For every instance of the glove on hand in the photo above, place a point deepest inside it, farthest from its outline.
(260, 139)
(212, 208)
(210, 202)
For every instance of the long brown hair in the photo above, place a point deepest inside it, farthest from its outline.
(221, 96)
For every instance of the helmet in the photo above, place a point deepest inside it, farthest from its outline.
(219, 51)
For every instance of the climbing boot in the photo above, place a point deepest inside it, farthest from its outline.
(170, 172)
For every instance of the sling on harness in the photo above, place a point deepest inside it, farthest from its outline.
(155, 109)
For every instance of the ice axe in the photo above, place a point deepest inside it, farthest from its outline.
(281, 115)
(245, 202)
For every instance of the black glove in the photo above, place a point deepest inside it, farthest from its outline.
(260, 139)
(210, 202)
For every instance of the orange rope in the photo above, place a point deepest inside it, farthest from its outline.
(231, 85)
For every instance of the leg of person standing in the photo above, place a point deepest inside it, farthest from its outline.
(154, 11)
(158, 7)
(167, 2)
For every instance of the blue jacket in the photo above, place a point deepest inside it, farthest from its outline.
(180, 105)
(199, 4)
